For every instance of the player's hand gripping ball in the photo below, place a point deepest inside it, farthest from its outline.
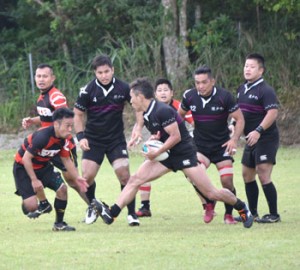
(155, 144)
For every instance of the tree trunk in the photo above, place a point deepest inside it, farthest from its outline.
(175, 34)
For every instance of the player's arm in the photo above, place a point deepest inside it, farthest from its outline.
(268, 120)
(231, 145)
(79, 123)
(35, 182)
(136, 134)
(29, 121)
(75, 178)
(182, 112)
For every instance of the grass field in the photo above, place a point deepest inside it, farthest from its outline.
(174, 238)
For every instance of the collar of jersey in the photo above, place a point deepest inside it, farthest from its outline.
(149, 110)
(249, 86)
(106, 92)
(205, 101)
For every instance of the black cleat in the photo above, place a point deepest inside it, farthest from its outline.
(62, 226)
(269, 218)
(143, 212)
(41, 210)
(246, 217)
(103, 211)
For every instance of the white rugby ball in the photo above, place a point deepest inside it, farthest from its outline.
(155, 144)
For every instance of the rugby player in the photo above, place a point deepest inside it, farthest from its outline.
(33, 170)
(100, 130)
(165, 124)
(259, 105)
(212, 107)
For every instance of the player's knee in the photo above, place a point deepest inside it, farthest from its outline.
(29, 207)
(62, 192)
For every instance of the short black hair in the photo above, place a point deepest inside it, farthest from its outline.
(101, 60)
(44, 65)
(258, 57)
(61, 113)
(163, 81)
(143, 86)
(203, 70)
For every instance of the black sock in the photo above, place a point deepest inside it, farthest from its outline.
(115, 210)
(146, 204)
(271, 196)
(239, 205)
(44, 203)
(60, 207)
(90, 194)
(131, 205)
(228, 207)
(252, 193)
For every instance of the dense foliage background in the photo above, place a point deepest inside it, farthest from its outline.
(69, 33)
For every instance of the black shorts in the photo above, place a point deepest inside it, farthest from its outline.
(215, 156)
(181, 161)
(113, 150)
(56, 160)
(47, 176)
(264, 151)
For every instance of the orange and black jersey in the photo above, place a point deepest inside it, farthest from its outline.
(43, 145)
(176, 104)
(47, 103)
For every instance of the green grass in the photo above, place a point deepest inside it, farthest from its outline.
(174, 238)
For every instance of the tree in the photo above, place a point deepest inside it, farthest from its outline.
(175, 35)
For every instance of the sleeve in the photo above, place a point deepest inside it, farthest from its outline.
(82, 99)
(270, 100)
(167, 116)
(38, 142)
(57, 100)
(184, 102)
(231, 103)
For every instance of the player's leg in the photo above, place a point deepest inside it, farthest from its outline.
(264, 171)
(121, 168)
(57, 184)
(56, 161)
(90, 165)
(145, 192)
(148, 171)
(208, 205)
(225, 170)
(199, 177)
(30, 205)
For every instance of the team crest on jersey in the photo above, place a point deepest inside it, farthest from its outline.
(216, 109)
(119, 97)
(124, 152)
(94, 99)
(253, 97)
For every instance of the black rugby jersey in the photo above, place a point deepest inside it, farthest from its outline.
(104, 110)
(44, 145)
(158, 116)
(210, 116)
(47, 103)
(255, 100)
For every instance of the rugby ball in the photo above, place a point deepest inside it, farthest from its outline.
(155, 144)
